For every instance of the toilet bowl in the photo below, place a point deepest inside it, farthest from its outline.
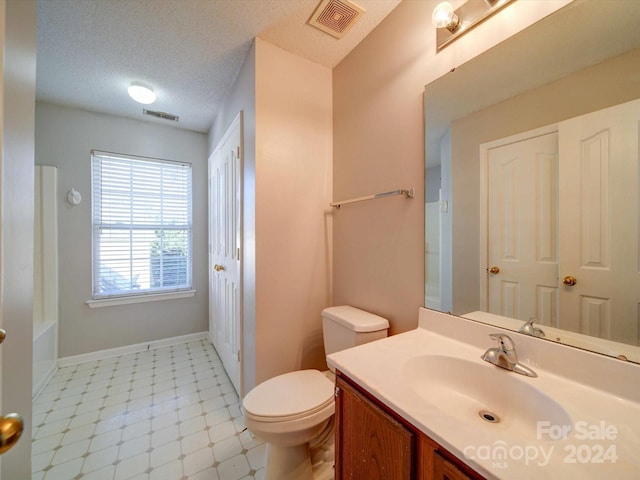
(294, 410)
(290, 409)
(288, 412)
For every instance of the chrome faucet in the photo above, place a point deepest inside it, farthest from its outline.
(529, 329)
(505, 356)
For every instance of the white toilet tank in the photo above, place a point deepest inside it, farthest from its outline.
(345, 327)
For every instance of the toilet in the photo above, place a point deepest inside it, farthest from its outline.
(294, 411)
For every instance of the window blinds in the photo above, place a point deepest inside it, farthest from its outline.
(141, 225)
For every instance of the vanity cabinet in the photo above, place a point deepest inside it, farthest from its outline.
(375, 443)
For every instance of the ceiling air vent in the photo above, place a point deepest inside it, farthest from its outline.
(163, 115)
(336, 17)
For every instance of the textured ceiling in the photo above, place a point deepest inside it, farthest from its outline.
(190, 51)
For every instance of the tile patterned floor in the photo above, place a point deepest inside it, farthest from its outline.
(164, 414)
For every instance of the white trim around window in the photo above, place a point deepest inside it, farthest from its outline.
(151, 297)
(141, 228)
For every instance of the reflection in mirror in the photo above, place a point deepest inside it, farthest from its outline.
(532, 207)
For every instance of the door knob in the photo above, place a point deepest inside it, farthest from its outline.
(3, 334)
(11, 427)
(569, 280)
(218, 268)
(494, 270)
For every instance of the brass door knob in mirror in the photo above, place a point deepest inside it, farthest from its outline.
(11, 427)
(494, 270)
(569, 280)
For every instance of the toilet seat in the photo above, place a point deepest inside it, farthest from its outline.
(290, 396)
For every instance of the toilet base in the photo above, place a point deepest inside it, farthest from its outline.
(309, 461)
(287, 463)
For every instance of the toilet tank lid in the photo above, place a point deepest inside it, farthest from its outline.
(356, 319)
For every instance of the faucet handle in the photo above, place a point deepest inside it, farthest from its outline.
(530, 329)
(506, 344)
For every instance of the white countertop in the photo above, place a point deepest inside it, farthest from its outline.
(602, 400)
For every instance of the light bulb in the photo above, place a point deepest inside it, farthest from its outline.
(141, 93)
(443, 16)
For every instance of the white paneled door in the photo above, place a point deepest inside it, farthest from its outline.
(522, 256)
(599, 245)
(225, 241)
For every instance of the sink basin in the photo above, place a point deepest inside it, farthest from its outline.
(478, 393)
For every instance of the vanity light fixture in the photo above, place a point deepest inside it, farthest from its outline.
(444, 16)
(452, 23)
(141, 93)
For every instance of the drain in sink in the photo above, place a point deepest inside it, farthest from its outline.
(488, 416)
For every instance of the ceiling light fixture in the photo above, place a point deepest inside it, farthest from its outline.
(451, 24)
(141, 93)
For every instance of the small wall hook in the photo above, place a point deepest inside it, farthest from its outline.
(74, 197)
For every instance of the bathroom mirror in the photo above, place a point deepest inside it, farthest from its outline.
(523, 176)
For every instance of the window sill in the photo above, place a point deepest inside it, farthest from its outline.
(152, 297)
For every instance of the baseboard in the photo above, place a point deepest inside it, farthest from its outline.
(138, 347)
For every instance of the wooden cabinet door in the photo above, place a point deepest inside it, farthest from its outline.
(433, 465)
(443, 469)
(370, 444)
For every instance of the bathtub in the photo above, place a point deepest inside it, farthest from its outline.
(45, 354)
(45, 278)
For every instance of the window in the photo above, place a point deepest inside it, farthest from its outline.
(141, 225)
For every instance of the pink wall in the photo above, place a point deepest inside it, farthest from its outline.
(293, 192)
(378, 134)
